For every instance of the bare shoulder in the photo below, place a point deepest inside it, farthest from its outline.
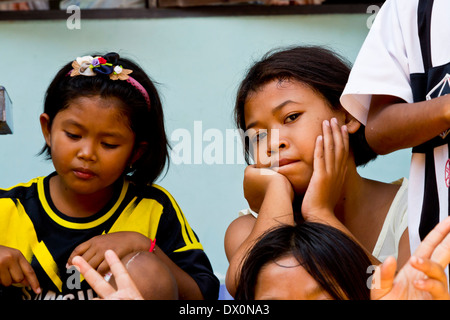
(238, 230)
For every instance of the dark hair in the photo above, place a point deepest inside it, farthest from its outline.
(147, 123)
(322, 70)
(335, 261)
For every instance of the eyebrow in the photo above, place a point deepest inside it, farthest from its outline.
(274, 112)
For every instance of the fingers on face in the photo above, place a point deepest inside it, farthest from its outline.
(335, 144)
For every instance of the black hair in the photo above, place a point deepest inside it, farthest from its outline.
(333, 259)
(147, 122)
(320, 69)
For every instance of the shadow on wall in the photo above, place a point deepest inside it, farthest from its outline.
(5, 112)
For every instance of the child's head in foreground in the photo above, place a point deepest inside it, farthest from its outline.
(309, 261)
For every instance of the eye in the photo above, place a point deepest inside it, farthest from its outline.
(72, 135)
(259, 136)
(109, 146)
(292, 117)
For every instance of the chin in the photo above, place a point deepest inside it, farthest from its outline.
(299, 184)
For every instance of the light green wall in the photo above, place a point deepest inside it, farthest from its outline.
(198, 63)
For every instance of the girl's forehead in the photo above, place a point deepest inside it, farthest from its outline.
(96, 111)
(272, 95)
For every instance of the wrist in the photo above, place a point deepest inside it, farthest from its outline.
(281, 187)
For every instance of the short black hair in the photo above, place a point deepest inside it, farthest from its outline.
(146, 122)
(333, 259)
(321, 69)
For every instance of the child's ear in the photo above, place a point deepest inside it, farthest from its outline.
(46, 128)
(352, 124)
(138, 151)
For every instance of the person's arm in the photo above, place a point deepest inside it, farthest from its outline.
(393, 124)
(330, 166)
(275, 210)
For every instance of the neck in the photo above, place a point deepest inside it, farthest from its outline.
(348, 207)
(78, 205)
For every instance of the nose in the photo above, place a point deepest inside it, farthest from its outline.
(276, 141)
(87, 151)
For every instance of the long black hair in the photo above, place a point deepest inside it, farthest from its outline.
(146, 122)
(333, 259)
(320, 69)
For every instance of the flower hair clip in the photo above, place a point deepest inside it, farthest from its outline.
(91, 66)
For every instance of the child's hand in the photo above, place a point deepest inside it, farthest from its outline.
(435, 281)
(123, 243)
(257, 181)
(15, 269)
(430, 258)
(330, 166)
(126, 288)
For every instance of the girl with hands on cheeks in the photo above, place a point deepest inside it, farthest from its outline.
(306, 149)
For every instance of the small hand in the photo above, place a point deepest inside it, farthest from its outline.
(430, 258)
(126, 288)
(123, 243)
(15, 269)
(257, 181)
(330, 167)
(435, 281)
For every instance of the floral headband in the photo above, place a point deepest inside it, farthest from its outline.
(91, 66)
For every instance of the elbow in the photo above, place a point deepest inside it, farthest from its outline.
(230, 283)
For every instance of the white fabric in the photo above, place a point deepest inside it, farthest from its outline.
(391, 52)
(394, 225)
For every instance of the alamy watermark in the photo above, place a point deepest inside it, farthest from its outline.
(217, 147)
(373, 11)
(74, 20)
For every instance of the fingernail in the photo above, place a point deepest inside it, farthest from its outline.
(334, 120)
(419, 283)
(344, 127)
(326, 122)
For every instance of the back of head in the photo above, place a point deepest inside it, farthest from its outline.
(321, 69)
(145, 118)
(334, 260)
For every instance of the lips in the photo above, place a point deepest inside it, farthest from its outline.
(283, 162)
(83, 173)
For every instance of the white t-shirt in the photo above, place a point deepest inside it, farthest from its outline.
(394, 225)
(390, 53)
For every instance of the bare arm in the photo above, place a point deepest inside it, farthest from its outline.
(393, 124)
(276, 209)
